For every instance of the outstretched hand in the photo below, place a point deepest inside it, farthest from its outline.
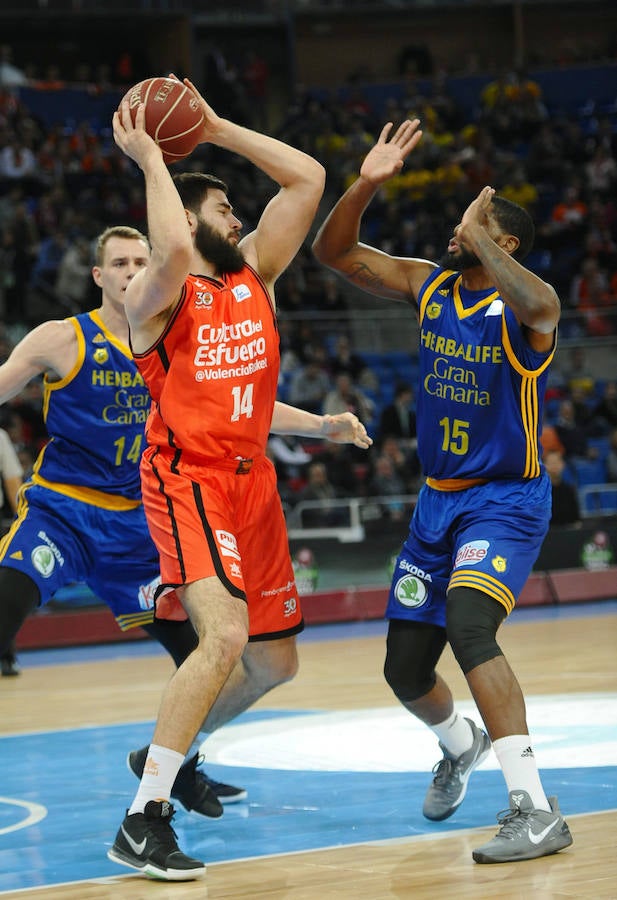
(346, 428)
(386, 158)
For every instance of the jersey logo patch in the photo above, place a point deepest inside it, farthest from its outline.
(204, 300)
(43, 560)
(410, 592)
(433, 310)
(500, 563)
(101, 355)
(227, 543)
(146, 592)
(471, 554)
(495, 309)
(241, 292)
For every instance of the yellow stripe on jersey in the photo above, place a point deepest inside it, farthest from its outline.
(88, 495)
(461, 311)
(134, 620)
(124, 348)
(481, 581)
(454, 484)
(49, 386)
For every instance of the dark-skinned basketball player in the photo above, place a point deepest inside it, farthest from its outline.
(487, 337)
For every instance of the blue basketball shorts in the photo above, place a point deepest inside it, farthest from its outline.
(486, 537)
(57, 541)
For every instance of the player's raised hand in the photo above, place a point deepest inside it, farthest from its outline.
(386, 157)
(477, 211)
(131, 136)
(346, 428)
(212, 122)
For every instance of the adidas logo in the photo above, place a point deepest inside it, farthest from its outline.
(527, 752)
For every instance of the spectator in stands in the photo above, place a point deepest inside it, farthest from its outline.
(387, 482)
(611, 457)
(578, 374)
(309, 386)
(590, 294)
(572, 436)
(289, 457)
(17, 162)
(319, 487)
(569, 216)
(345, 472)
(345, 361)
(73, 278)
(566, 510)
(520, 190)
(398, 418)
(346, 396)
(604, 414)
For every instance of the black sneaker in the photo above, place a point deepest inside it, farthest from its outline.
(8, 664)
(191, 786)
(226, 793)
(146, 841)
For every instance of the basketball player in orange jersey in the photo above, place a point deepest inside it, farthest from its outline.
(204, 336)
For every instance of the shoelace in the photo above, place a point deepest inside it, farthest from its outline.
(512, 822)
(163, 831)
(442, 771)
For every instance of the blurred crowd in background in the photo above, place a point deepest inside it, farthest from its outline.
(61, 184)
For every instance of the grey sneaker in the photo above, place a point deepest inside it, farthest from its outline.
(449, 785)
(525, 832)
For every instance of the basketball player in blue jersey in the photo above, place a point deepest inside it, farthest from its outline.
(487, 336)
(80, 517)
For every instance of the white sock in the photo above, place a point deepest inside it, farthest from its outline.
(160, 770)
(455, 734)
(518, 764)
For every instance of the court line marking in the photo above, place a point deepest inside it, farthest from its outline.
(36, 812)
(410, 839)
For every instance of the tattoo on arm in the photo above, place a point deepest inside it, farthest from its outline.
(361, 274)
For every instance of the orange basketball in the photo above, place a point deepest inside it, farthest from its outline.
(173, 115)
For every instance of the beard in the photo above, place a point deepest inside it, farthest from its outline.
(225, 256)
(462, 259)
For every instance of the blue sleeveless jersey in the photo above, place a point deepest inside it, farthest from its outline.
(481, 386)
(95, 419)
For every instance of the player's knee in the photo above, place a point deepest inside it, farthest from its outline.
(412, 650)
(406, 683)
(19, 596)
(270, 663)
(472, 619)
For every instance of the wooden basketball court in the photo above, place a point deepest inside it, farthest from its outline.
(563, 656)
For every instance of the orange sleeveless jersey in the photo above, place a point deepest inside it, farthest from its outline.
(213, 372)
(208, 489)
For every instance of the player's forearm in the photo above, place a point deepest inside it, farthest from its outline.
(168, 228)
(340, 232)
(284, 164)
(291, 420)
(534, 302)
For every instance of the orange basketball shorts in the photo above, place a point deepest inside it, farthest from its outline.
(223, 518)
